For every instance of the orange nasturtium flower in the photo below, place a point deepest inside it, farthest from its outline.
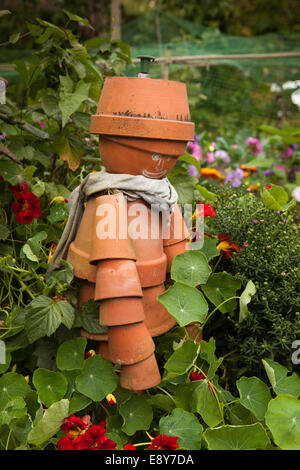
(52, 249)
(212, 173)
(227, 246)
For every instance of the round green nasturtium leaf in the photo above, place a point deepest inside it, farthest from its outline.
(204, 402)
(97, 378)
(190, 268)
(220, 287)
(245, 437)
(282, 383)
(137, 414)
(182, 359)
(51, 386)
(185, 303)
(255, 395)
(50, 423)
(16, 408)
(12, 385)
(78, 402)
(183, 425)
(70, 354)
(283, 420)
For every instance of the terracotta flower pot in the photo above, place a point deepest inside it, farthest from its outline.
(140, 376)
(86, 292)
(110, 238)
(102, 348)
(129, 344)
(173, 250)
(158, 320)
(117, 278)
(177, 231)
(93, 336)
(79, 251)
(121, 311)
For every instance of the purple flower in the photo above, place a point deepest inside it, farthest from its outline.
(254, 145)
(296, 194)
(193, 171)
(2, 136)
(268, 172)
(235, 178)
(223, 155)
(195, 148)
(294, 146)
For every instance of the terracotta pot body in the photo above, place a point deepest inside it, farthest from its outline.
(143, 126)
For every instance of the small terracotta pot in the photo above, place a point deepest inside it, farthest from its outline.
(173, 250)
(158, 320)
(121, 311)
(102, 349)
(140, 376)
(129, 344)
(86, 292)
(110, 238)
(79, 250)
(117, 278)
(93, 336)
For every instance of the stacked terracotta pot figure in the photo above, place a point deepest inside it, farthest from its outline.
(143, 126)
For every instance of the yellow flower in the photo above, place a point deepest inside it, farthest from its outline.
(59, 199)
(27, 378)
(111, 399)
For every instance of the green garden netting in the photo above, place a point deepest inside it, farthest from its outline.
(224, 94)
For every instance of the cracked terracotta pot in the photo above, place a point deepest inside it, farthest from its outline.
(117, 278)
(157, 318)
(121, 311)
(128, 344)
(140, 376)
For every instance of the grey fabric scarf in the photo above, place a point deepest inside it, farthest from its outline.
(158, 192)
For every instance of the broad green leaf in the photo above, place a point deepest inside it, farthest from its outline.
(89, 315)
(13, 38)
(283, 420)
(188, 158)
(161, 402)
(239, 415)
(245, 437)
(208, 196)
(137, 414)
(70, 354)
(26, 251)
(276, 198)
(49, 104)
(51, 386)
(255, 395)
(70, 101)
(16, 408)
(50, 423)
(58, 213)
(190, 268)
(12, 385)
(77, 18)
(182, 359)
(71, 151)
(44, 316)
(183, 425)
(97, 378)
(78, 402)
(184, 185)
(281, 382)
(11, 172)
(186, 304)
(209, 248)
(220, 287)
(245, 299)
(207, 352)
(204, 402)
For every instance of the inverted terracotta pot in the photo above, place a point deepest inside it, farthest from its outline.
(177, 230)
(140, 376)
(173, 250)
(93, 336)
(117, 278)
(129, 344)
(110, 238)
(158, 320)
(86, 292)
(79, 250)
(121, 311)
(102, 349)
(147, 108)
(155, 164)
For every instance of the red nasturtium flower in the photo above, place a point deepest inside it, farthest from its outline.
(194, 376)
(129, 447)
(227, 246)
(163, 442)
(82, 435)
(27, 205)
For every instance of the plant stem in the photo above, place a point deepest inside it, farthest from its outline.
(220, 305)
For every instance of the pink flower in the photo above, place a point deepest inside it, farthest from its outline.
(254, 145)
(41, 124)
(210, 157)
